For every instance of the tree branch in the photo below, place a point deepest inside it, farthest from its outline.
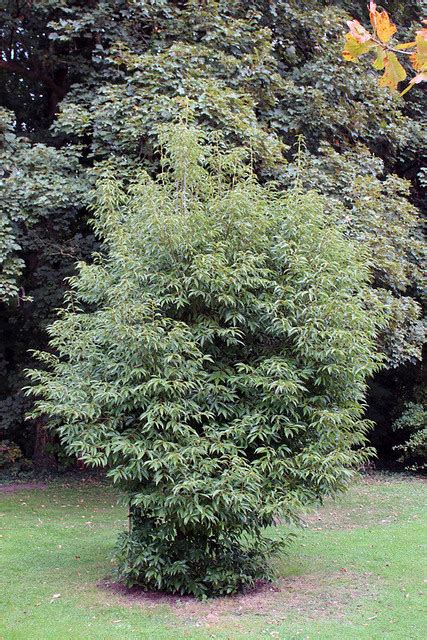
(32, 74)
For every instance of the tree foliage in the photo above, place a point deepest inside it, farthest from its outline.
(224, 69)
(41, 186)
(214, 358)
(413, 422)
(94, 81)
(374, 210)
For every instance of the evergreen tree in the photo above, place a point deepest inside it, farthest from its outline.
(214, 358)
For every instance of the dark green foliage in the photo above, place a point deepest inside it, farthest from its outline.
(214, 359)
(40, 186)
(9, 453)
(192, 558)
(93, 81)
(42, 234)
(413, 424)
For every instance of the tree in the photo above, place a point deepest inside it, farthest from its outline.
(96, 79)
(413, 422)
(214, 358)
(238, 77)
(42, 234)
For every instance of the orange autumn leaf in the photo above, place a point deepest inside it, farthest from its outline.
(380, 20)
(419, 58)
(393, 71)
(359, 41)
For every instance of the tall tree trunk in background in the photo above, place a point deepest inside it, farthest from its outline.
(44, 458)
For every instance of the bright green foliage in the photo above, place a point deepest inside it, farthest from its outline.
(374, 210)
(214, 359)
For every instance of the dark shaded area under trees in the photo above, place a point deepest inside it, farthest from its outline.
(85, 84)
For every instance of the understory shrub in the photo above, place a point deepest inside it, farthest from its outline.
(214, 359)
(413, 422)
(9, 453)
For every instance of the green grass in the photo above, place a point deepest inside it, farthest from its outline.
(356, 572)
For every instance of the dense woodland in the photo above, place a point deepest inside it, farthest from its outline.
(86, 88)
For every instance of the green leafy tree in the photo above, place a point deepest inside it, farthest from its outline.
(214, 358)
(414, 421)
(267, 85)
(95, 80)
(412, 426)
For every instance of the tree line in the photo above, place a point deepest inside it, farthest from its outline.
(85, 90)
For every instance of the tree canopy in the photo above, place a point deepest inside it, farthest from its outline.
(88, 82)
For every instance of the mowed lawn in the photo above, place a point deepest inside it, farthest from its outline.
(356, 571)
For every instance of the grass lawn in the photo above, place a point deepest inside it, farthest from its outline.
(355, 572)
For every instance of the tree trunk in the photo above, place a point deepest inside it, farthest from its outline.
(43, 458)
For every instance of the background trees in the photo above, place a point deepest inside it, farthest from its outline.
(93, 80)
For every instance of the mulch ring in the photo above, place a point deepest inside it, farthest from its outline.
(314, 596)
(13, 487)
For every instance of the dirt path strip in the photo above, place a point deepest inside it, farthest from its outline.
(13, 487)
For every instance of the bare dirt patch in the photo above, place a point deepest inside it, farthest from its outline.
(314, 596)
(13, 487)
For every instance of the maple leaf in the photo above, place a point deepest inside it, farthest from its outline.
(393, 71)
(355, 48)
(358, 31)
(359, 41)
(379, 62)
(419, 58)
(380, 20)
